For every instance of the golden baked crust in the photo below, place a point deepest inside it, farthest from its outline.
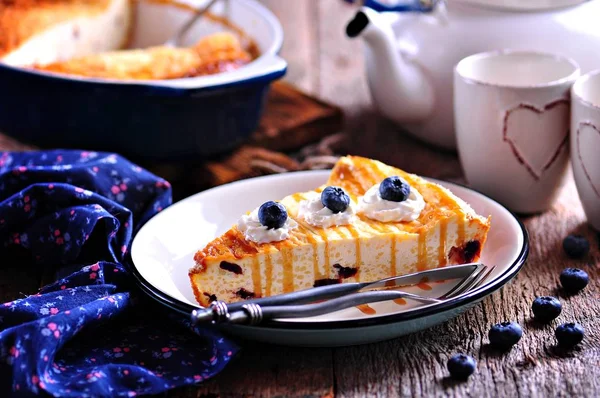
(215, 53)
(22, 19)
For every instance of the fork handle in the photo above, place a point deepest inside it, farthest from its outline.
(253, 314)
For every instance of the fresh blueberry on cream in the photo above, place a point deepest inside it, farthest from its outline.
(394, 189)
(393, 200)
(268, 223)
(335, 199)
(332, 207)
(272, 215)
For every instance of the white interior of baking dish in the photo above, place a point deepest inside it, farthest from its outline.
(155, 23)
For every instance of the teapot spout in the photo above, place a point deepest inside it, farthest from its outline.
(398, 86)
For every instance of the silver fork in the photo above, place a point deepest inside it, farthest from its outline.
(253, 312)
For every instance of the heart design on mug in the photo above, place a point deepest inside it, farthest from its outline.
(592, 174)
(532, 134)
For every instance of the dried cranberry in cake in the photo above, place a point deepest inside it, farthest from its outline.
(345, 272)
(465, 254)
(244, 294)
(326, 282)
(231, 267)
(211, 297)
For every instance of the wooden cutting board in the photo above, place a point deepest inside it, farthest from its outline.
(297, 131)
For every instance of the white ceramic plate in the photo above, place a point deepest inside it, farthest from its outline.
(162, 252)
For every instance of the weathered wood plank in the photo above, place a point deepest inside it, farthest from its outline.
(270, 371)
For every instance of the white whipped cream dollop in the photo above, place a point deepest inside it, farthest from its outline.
(375, 207)
(315, 214)
(254, 231)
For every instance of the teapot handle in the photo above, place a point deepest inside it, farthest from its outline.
(397, 5)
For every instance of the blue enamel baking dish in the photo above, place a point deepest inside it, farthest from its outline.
(170, 119)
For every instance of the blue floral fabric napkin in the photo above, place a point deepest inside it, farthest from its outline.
(91, 332)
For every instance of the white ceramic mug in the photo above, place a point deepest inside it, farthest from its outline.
(512, 116)
(585, 143)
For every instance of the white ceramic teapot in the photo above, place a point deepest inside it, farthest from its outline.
(410, 55)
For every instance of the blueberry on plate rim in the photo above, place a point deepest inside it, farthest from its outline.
(335, 199)
(546, 308)
(504, 335)
(569, 334)
(461, 366)
(576, 246)
(272, 215)
(574, 280)
(394, 189)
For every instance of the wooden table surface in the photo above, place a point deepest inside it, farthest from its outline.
(323, 62)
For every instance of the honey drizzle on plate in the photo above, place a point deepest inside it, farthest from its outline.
(422, 251)
(442, 248)
(400, 301)
(256, 278)
(268, 274)
(366, 309)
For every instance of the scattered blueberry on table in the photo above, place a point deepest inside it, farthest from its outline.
(461, 366)
(335, 199)
(576, 246)
(574, 280)
(546, 308)
(504, 335)
(569, 334)
(394, 189)
(272, 215)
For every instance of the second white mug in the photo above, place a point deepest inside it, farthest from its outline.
(512, 116)
(585, 143)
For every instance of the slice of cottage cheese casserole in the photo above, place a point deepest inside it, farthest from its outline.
(369, 221)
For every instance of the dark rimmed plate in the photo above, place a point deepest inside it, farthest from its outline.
(162, 252)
